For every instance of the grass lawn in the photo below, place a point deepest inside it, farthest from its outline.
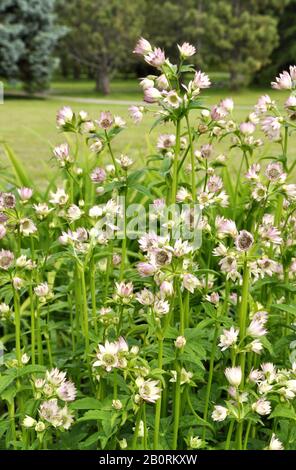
(28, 125)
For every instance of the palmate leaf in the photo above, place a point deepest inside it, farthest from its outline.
(283, 411)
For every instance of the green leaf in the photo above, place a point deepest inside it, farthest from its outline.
(87, 403)
(97, 415)
(285, 308)
(20, 172)
(283, 411)
(5, 381)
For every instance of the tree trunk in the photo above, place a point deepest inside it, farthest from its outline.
(103, 82)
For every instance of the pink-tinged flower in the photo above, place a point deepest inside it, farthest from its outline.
(18, 282)
(64, 116)
(256, 346)
(146, 83)
(262, 407)
(106, 120)
(227, 104)
(67, 391)
(186, 50)
(253, 172)
(172, 99)
(145, 297)
(274, 172)
(292, 70)
(219, 413)
(206, 150)
(290, 190)
(59, 197)
(247, 128)
(183, 195)
(161, 307)
(290, 103)
(124, 290)
(256, 376)
(107, 356)
(119, 122)
(214, 298)
(214, 184)
(160, 257)
(234, 375)
(148, 390)
(180, 342)
(162, 82)
(256, 329)
(166, 289)
(228, 338)
(271, 126)
(244, 240)
(25, 193)
(156, 58)
(96, 146)
(283, 82)
(200, 81)
(182, 248)
(218, 112)
(62, 154)
(98, 175)
(2, 231)
(7, 201)
(264, 104)
(225, 227)
(125, 162)
(6, 259)
(42, 290)
(152, 95)
(190, 282)
(136, 113)
(142, 47)
(166, 141)
(270, 234)
(148, 241)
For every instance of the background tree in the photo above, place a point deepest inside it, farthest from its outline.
(102, 34)
(28, 36)
(240, 36)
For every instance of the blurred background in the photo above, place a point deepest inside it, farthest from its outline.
(79, 52)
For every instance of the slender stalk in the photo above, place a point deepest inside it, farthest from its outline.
(85, 311)
(158, 403)
(17, 319)
(175, 163)
(137, 427)
(243, 310)
(93, 294)
(33, 327)
(111, 154)
(247, 435)
(210, 377)
(177, 401)
(229, 434)
(11, 414)
(192, 159)
(39, 337)
(145, 427)
(239, 434)
(124, 240)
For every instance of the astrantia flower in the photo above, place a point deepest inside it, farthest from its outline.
(42, 210)
(145, 297)
(264, 104)
(55, 376)
(29, 422)
(162, 82)
(271, 126)
(186, 50)
(62, 154)
(244, 240)
(220, 413)
(274, 172)
(247, 128)
(290, 190)
(156, 58)
(148, 390)
(152, 95)
(253, 172)
(146, 83)
(142, 47)
(275, 443)
(136, 113)
(64, 116)
(96, 146)
(166, 141)
(7, 201)
(183, 195)
(166, 289)
(262, 407)
(195, 442)
(256, 329)
(180, 342)
(190, 282)
(106, 120)
(124, 161)
(161, 307)
(98, 175)
(173, 100)
(25, 193)
(59, 197)
(119, 122)
(146, 269)
(256, 346)
(42, 290)
(225, 227)
(283, 82)
(124, 290)
(107, 356)
(185, 376)
(227, 103)
(259, 192)
(6, 259)
(228, 338)
(234, 375)
(67, 391)
(200, 81)
(27, 227)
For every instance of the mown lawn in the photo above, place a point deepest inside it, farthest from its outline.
(28, 125)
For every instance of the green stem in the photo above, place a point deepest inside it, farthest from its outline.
(39, 338)
(112, 154)
(175, 163)
(85, 312)
(243, 311)
(247, 435)
(192, 159)
(17, 319)
(136, 432)
(93, 294)
(239, 435)
(229, 434)
(210, 377)
(158, 403)
(145, 427)
(124, 240)
(177, 402)
(33, 327)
